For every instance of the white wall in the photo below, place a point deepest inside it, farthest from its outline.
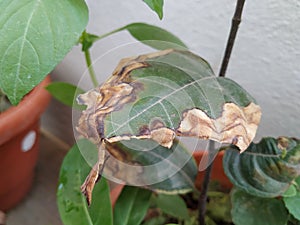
(265, 60)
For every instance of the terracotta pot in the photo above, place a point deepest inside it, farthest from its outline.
(19, 143)
(216, 175)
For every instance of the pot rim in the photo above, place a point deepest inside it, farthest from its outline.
(17, 118)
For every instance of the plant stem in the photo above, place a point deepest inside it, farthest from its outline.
(90, 67)
(203, 195)
(236, 20)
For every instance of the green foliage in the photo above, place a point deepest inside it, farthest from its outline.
(72, 205)
(293, 202)
(261, 170)
(131, 206)
(251, 210)
(172, 205)
(35, 36)
(154, 36)
(156, 6)
(65, 93)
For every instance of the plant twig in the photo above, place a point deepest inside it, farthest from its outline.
(203, 195)
(236, 20)
(90, 67)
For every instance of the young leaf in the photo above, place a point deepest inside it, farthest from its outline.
(154, 37)
(35, 36)
(156, 6)
(172, 205)
(262, 170)
(71, 203)
(131, 206)
(65, 93)
(250, 210)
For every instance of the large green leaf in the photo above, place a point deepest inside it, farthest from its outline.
(266, 169)
(72, 204)
(156, 6)
(166, 94)
(149, 164)
(35, 36)
(131, 206)
(251, 210)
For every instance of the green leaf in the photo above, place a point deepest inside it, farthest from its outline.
(261, 170)
(87, 40)
(172, 205)
(65, 93)
(162, 170)
(250, 210)
(72, 204)
(154, 36)
(292, 202)
(169, 93)
(35, 36)
(131, 206)
(156, 6)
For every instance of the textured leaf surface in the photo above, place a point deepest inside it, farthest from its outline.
(166, 94)
(71, 203)
(265, 169)
(251, 210)
(154, 166)
(157, 6)
(35, 36)
(131, 206)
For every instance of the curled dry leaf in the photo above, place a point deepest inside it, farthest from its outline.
(160, 95)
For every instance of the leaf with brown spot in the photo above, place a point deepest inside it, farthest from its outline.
(265, 169)
(160, 95)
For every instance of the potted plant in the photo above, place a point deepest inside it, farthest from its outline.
(31, 46)
(265, 176)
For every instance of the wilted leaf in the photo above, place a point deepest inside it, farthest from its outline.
(72, 205)
(35, 36)
(157, 6)
(164, 94)
(250, 210)
(131, 206)
(265, 169)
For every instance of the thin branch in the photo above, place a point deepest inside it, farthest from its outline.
(90, 67)
(203, 195)
(236, 20)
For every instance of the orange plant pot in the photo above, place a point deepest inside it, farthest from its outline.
(216, 175)
(19, 143)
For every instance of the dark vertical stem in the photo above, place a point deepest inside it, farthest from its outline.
(236, 20)
(203, 194)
